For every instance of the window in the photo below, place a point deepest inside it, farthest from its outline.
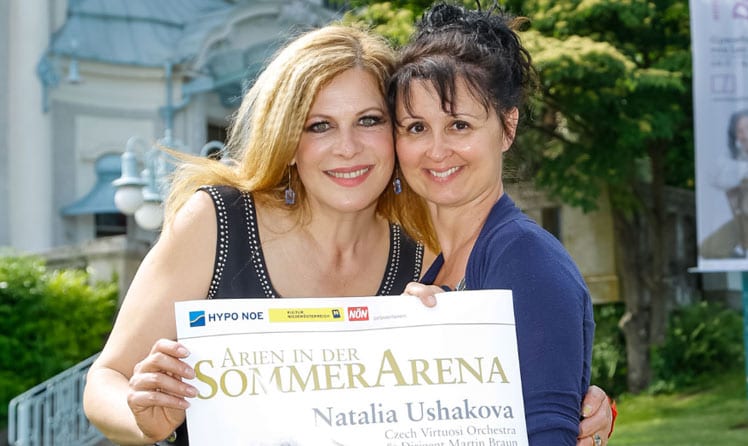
(110, 224)
(217, 133)
(550, 220)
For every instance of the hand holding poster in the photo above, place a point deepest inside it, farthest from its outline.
(354, 371)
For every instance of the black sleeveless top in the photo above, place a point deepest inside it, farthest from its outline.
(239, 270)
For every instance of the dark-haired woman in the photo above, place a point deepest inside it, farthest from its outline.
(456, 97)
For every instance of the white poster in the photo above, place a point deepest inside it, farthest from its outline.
(362, 371)
(719, 36)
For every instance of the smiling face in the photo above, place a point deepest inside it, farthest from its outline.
(741, 133)
(345, 156)
(450, 159)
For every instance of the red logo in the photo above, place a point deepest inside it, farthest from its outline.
(358, 313)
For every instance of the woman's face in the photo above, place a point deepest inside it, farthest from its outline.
(455, 159)
(346, 156)
(741, 133)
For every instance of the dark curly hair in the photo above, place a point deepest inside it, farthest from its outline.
(480, 47)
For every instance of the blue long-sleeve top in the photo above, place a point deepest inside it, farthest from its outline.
(553, 315)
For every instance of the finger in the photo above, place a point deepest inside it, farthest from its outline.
(590, 440)
(597, 422)
(429, 300)
(161, 383)
(599, 439)
(145, 400)
(171, 348)
(421, 291)
(414, 289)
(163, 362)
(599, 419)
(593, 400)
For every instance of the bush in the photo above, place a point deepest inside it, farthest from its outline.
(609, 350)
(702, 339)
(49, 321)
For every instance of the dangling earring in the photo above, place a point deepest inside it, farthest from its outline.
(290, 194)
(396, 184)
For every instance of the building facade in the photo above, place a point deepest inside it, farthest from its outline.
(84, 76)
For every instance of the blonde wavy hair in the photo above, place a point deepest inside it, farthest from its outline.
(267, 127)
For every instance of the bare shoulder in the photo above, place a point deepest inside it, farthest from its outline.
(197, 214)
(189, 242)
(179, 266)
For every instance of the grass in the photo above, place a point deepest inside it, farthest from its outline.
(713, 414)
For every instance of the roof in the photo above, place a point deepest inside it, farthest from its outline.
(152, 33)
(100, 199)
(138, 32)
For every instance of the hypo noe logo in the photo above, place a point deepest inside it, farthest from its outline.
(197, 318)
(200, 318)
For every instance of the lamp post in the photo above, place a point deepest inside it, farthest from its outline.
(141, 193)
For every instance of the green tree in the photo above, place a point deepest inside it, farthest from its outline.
(612, 116)
(615, 104)
(393, 19)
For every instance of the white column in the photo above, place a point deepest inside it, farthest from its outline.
(30, 158)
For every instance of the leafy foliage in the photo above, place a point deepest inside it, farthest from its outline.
(609, 350)
(394, 24)
(393, 19)
(49, 321)
(615, 86)
(703, 339)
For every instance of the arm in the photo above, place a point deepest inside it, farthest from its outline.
(554, 324)
(597, 411)
(121, 396)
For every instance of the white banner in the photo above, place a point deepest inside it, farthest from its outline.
(354, 371)
(719, 36)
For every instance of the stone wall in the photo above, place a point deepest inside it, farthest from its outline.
(104, 258)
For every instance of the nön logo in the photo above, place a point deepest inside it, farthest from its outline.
(358, 313)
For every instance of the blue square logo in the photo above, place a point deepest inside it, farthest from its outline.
(197, 318)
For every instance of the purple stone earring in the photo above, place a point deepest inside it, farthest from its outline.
(290, 194)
